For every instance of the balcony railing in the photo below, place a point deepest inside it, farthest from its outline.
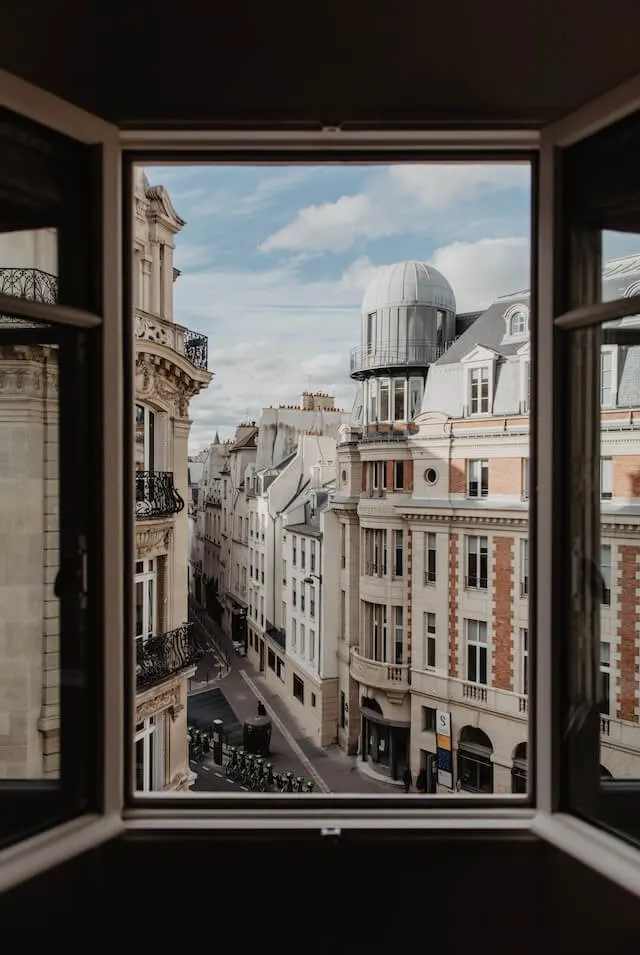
(192, 345)
(395, 354)
(156, 495)
(165, 654)
(33, 284)
(383, 676)
(277, 634)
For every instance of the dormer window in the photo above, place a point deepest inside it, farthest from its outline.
(517, 319)
(478, 391)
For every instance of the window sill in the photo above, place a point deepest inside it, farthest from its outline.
(607, 854)
(33, 856)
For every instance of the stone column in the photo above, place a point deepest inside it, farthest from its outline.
(154, 305)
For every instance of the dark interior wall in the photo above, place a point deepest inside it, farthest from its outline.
(464, 62)
(445, 894)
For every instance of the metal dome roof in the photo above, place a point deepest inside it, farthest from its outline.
(408, 283)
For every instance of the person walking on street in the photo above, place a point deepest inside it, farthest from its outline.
(407, 779)
(261, 709)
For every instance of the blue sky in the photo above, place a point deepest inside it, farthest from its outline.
(275, 260)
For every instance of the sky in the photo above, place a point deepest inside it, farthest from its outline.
(275, 260)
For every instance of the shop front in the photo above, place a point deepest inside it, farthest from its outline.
(384, 742)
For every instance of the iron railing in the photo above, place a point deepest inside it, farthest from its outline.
(33, 284)
(156, 495)
(277, 634)
(395, 354)
(196, 349)
(165, 654)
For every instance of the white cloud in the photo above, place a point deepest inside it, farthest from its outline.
(396, 201)
(481, 271)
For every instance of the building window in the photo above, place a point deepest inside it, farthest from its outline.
(476, 633)
(428, 719)
(373, 400)
(262, 612)
(398, 475)
(415, 397)
(312, 601)
(397, 553)
(148, 765)
(271, 659)
(525, 479)
(294, 632)
(524, 567)
(294, 550)
(312, 645)
(475, 769)
(302, 596)
(606, 478)
(605, 678)
(477, 562)
(430, 641)
(518, 324)
(398, 635)
(343, 710)
(478, 391)
(399, 390)
(526, 387)
(430, 558)
(146, 600)
(524, 661)
(145, 439)
(298, 688)
(374, 552)
(607, 378)
(261, 568)
(605, 570)
(377, 620)
(343, 614)
(294, 595)
(312, 556)
(383, 390)
(284, 572)
(313, 699)
(280, 668)
(303, 641)
(477, 478)
(303, 553)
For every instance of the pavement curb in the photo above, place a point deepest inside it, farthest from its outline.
(302, 756)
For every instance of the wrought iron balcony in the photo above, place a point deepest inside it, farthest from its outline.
(156, 495)
(165, 654)
(196, 349)
(33, 284)
(395, 354)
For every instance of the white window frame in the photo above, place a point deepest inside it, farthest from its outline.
(519, 308)
(524, 567)
(473, 638)
(148, 575)
(606, 478)
(398, 634)
(479, 465)
(151, 736)
(430, 545)
(430, 639)
(610, 398)
(474, 547)
(479, 359)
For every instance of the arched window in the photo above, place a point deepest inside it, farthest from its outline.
(475, 769)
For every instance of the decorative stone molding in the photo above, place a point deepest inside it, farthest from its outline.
(28, 371)
(167, 700)
(161, 380)
(149, 329)
(152, 541)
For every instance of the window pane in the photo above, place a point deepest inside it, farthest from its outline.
(30, 507)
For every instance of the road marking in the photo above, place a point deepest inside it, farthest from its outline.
(245, 788)
(206, 769)
(230, 781)
(219, 774)
(304, 759)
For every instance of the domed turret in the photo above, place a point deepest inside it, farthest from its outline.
(408, 321)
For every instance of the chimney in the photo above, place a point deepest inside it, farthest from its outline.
(317, 401)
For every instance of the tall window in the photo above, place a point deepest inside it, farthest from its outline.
(525, 479)
(312, 645)
(302, 595)
(294, 595)
(479, 391)
(398, 635)
(294, 550)
(378, 616)
(605, 570)
(302, 639)
(524, 661)
(294, 632)
(312, 556)
(284, 571)
(398, 475)
(607, 378)
(526, 387)
(430, 558)
(415, 397)
(312, 601)
(477, 478)
(605, 677)
(147, 762)
(399, 388)
(518, 324)
(398, 548)
(477, 562)
(606, 478)
(145, 439)
(383, 397)
(374, 552)
(430, 641)
(373, 400)
(146, 600)
(476, 632)
(303, 553)
(524, 567)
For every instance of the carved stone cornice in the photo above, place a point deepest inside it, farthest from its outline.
(160, 703)
(161, 379)
(151, 541)
(492, 520)
(28, 371)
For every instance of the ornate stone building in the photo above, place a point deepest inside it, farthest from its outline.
(171, 367)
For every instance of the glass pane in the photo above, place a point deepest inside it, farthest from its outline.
(29, 555)
(404, 355)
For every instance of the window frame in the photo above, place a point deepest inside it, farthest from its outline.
(599, 850)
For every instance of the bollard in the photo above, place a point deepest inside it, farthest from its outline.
(217, 730)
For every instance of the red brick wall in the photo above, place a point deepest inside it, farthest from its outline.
(453, 604)
(627, 686)
(626, 476)
(458, 476)
(503, 548)
(505, 475)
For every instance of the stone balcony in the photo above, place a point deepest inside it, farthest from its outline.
(476, 695)
(182, 340)
(621, 734)
(393, 678)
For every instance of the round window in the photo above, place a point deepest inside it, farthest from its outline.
(344, 477)
(431, 475)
